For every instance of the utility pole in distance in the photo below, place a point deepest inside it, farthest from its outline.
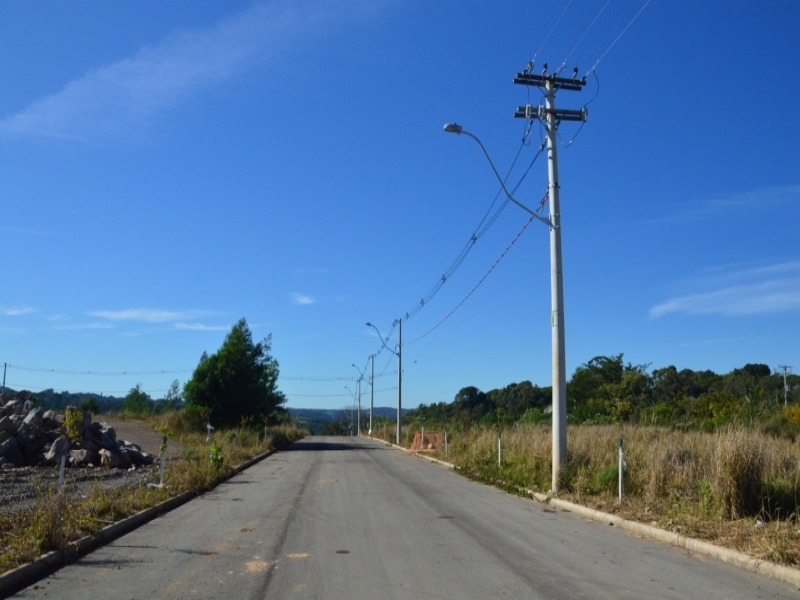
(371, 392)
(552, 116)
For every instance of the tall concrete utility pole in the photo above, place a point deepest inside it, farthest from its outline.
(399, 377)
(552, 116)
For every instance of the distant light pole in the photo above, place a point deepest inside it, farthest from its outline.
(371, 391)
(360, 377)
(352, 410)
(399, 354)
(559, 401)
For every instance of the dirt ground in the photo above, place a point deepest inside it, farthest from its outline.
(20, 488)
(140, 434)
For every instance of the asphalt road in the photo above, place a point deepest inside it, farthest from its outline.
(345, 518)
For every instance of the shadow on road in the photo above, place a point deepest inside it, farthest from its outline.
(328, 445)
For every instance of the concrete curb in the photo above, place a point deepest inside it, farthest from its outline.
(18, 579)
(691, 545)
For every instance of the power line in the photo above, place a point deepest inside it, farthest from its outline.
(477, 285)
(98, 373)
(580, 39)
(388, 389)
(631, 22)
(552, 29)
(479, 231)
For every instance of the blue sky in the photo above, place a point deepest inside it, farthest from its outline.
(167, 168)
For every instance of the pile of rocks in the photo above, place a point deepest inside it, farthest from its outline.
(31, 436)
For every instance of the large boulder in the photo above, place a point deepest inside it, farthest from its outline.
(13, 407)
(95, 439)
(109, 432)
(136, 456)
(52, 420)
(57, 448)
(114, 459)
(83, 458)
(11, 451)
(34, 418)
(8, 425)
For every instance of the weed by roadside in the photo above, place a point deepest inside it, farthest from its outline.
(737, 488)
(56, 522)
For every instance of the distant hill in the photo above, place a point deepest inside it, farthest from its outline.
(58, 401)
(315, 419)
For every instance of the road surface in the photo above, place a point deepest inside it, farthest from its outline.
(348, 518)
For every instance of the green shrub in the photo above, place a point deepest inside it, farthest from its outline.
(73, 422)
(215, 454)
(606, 480)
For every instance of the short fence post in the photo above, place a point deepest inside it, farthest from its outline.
(445, 442)
(61, 467)
(160, 484)
(620, 468)
(499, 450)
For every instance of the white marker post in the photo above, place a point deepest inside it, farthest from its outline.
(160, 484)
(620, 468)
(61, 468)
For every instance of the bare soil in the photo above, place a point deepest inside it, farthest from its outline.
(21, 487)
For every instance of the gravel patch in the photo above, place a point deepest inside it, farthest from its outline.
(21, 487)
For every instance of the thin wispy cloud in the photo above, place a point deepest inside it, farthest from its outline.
(149, 315)
(13, 330)
(122, 100)
(301, 299)
(768, 289)
(199, 327)
(84, 326)
(744, 203)
(16, 311)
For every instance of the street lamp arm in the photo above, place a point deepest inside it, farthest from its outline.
(456, 128)
(380, 337)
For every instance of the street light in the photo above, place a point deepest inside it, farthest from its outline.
(352, 393)
(360, 377)
(371, 391)
(559, 375)
(399, 354)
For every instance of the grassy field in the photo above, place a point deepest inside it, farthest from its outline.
(54, 524)
(736, 488)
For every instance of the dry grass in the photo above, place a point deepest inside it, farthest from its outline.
(737, 488)
(54, 524)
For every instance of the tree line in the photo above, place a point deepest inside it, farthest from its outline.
(607, 389)
(235, 386)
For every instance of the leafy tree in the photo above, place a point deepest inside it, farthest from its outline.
(240, 380)
(137, 401)
(172, 400)
(472, 402)
(89, 405)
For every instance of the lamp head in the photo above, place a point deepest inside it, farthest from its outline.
(453, 128)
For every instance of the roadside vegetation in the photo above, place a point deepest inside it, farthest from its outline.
(56, 522)
(230, 411)
(713, 457)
